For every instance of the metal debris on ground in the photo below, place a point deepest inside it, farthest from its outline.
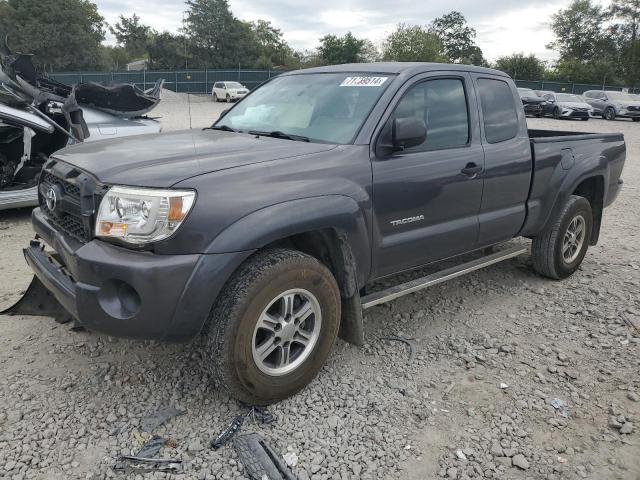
(228, 433)
(151, 448)
(560, 407)
(163, 415)
(406, 341)
(133, 464)
(259, 415)
(259, 459)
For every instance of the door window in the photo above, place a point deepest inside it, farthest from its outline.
(442, 104)
(498, 110)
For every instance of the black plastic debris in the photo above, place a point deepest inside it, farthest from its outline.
(228, 433)
(406, 341)
(152, 448)
(163, 415)
(259, 415)
(133, 464)
(259, 459)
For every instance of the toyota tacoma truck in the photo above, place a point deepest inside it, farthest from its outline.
(262, 234)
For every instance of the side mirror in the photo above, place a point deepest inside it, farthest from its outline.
(551, 100)
(408, 132)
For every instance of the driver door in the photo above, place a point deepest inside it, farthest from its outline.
(427, 198)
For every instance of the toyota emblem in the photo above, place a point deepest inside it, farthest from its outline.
(51, 198)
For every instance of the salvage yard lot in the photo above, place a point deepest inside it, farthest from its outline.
(493, 351)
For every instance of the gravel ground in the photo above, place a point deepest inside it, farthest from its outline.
(494, 351)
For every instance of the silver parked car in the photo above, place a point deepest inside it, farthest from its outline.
(566, 105)
(611, 105)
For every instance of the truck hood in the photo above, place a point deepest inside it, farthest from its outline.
(163, 160)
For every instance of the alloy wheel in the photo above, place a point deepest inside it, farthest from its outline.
(574, 238)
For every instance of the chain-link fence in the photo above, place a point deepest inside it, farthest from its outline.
(183, 81)
(201, 81)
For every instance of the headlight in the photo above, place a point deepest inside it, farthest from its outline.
(142, 215)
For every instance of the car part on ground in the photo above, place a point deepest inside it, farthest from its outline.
(259, 459)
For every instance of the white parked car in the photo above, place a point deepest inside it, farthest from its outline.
(228, 91)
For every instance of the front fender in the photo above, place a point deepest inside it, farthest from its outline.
(283, 220)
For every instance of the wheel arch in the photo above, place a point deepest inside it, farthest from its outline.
(331, 228)
(592, 188)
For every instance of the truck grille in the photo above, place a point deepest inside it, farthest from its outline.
(76, 197)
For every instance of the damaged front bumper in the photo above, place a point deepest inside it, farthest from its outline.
(128, 293)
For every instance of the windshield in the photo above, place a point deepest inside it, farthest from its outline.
(323, 107)
(565, 97)
(622, 96)
(233, 85)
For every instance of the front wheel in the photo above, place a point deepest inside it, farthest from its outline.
(556, 113)
(215, 97)
(273, 326)
(558, 251)
(586, 119)
(228, 98)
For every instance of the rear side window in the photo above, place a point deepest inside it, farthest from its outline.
(442, 104)
(498, 109)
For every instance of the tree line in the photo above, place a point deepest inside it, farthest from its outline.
(595, 44)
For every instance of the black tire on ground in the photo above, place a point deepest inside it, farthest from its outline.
(556, 113)
(585, 119)
(230, 337)
(215, 97)
(610, 113)
(636, 119)
(547, 248)
(228, 98)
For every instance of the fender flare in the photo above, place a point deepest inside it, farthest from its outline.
(570, 184)
(282, 220)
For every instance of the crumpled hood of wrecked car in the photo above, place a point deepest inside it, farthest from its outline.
(162, 160)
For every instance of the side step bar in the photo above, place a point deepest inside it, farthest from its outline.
(439, 277)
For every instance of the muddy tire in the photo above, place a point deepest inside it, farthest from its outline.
(273, 326)
(559, 249)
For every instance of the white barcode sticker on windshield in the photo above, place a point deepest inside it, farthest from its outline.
(363, 81)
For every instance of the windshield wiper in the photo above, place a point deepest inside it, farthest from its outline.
(221, 127)
(279, 134)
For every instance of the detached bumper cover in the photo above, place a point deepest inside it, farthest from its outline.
(127, 293)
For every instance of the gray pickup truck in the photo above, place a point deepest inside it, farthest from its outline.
(262, 234)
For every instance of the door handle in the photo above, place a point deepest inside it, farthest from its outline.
(471, 170)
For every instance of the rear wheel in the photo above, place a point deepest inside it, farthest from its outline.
(559, 249)
(610, 114)
(273, 326)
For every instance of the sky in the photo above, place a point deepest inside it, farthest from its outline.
(503, 26)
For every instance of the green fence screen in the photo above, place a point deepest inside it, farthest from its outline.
(182, 81)
(201, 81)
